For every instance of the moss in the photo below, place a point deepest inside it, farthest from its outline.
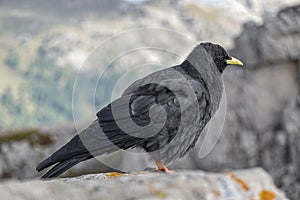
(33, 136)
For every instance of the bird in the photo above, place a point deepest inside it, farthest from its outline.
(163, 113)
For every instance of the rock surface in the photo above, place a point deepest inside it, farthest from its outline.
(276, 41)
(20, 155)
(238, 185)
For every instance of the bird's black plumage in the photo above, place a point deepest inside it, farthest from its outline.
(163, 113)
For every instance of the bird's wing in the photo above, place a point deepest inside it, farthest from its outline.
(127, 121)
(145, 106)
(155, 77)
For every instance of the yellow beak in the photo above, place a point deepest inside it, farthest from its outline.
(234, 61)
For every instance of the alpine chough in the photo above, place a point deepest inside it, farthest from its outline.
(162, 113)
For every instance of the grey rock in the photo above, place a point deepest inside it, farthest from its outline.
(18, 158)
(238, 185)
(291, 117)
(276, 40)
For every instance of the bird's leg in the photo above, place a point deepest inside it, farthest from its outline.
(161, 167)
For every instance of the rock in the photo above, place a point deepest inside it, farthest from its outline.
(262, 9)
(276, 40)
(290, 182)
(292, 127)
(238, 185)
(20, 151)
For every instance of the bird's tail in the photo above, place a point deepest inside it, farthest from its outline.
(85, 145)
(62, 166)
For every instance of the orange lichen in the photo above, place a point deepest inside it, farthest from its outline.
(267, 195)
(242, 183)
(216, 193)
(113, 174)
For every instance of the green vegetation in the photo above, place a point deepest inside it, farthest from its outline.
(33, 136)
(34, 90)
(12, 60)
(44, 95)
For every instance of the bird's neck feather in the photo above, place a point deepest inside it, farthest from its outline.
(200, 63)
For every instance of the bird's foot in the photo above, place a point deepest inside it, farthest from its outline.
(165, 169)
(161, 167)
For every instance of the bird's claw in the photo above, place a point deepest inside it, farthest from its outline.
(162, 168)
(165, 169)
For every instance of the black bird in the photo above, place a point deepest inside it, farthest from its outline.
(162, 113)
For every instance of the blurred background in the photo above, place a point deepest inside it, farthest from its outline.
(43, 45)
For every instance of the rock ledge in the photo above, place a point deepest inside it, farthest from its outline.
(238, 185)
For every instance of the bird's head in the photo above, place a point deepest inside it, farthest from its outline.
(220, 56)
